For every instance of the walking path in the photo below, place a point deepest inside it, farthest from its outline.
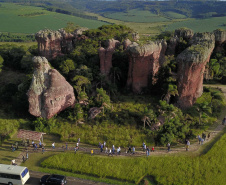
(195, 146)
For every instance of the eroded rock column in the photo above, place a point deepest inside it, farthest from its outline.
(191, 66)
(144, 63)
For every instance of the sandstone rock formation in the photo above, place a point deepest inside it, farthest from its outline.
(55, 43)
(185, 33)
(191, 66)
(105, 56)
(49, 43)
(171, 47)
(220, 39)
(126, 43)
(49, 92)
(144, 63)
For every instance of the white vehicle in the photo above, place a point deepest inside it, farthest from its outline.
(13, 175)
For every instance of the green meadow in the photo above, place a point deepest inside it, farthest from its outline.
(136, 15)
(29, 19)
(199, 25)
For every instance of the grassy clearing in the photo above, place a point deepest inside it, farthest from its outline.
(12, 21)
(206, 169)
(136, 16)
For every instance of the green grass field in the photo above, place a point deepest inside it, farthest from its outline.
(175, 15)
(136, 15)
(28, 19)
(199, 25)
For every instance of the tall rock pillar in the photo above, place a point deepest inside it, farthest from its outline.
(191, 66)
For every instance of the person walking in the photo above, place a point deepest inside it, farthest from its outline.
(101, 147)
(113, 149)
(208, 136)
(43, 149)
(133, 150)
(187, 145)
(53, 145)
(91, 152)
(110, 153)
(152, 149)
(199, 138)
(147, 151)
(106, 150)
(224, 121)
(168, 147)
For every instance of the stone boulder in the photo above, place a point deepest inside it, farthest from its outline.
(184, 33)
(49, 92)
(144, 63)
(191, 66)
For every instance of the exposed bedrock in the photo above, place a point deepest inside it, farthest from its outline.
(126, 43)
(191, 66)
(55, 43)
(171, 47)
(144, 63)
(49, 92)
(105, 56)
(185, 33)
(220, 39)
(49, 43)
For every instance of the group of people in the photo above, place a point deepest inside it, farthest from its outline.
(203, 138)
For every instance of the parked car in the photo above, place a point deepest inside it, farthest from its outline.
(53, 180)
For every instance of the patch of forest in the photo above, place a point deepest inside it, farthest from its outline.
(126, 118)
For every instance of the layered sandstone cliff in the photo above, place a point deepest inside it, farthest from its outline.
(144, 63)
(191, 66)
(49, 92)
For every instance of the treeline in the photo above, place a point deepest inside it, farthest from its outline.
(13, 37)
(74, 13)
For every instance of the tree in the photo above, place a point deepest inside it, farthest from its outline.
(77, 114)
(81, 83)
(148, 117)
(1, 63)
(103, 99)
(203, 108)
(67, 66)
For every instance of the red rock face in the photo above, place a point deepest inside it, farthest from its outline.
(49, 92)
(49, 43)
(105, 56)
(55, 43)
(144, 63)
(191, 66)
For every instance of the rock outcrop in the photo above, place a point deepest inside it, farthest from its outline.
(105, 56)
(220, 39)
(144, 63)
(49, 43)
(184, 33)
(126, 43)
(56, 43)
(171, 47)
(49, 92)
(191, 66)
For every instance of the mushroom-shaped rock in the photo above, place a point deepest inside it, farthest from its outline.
(191, 66)
(49, 92)
(144, 62)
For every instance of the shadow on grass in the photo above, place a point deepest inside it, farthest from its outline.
(213, 141)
